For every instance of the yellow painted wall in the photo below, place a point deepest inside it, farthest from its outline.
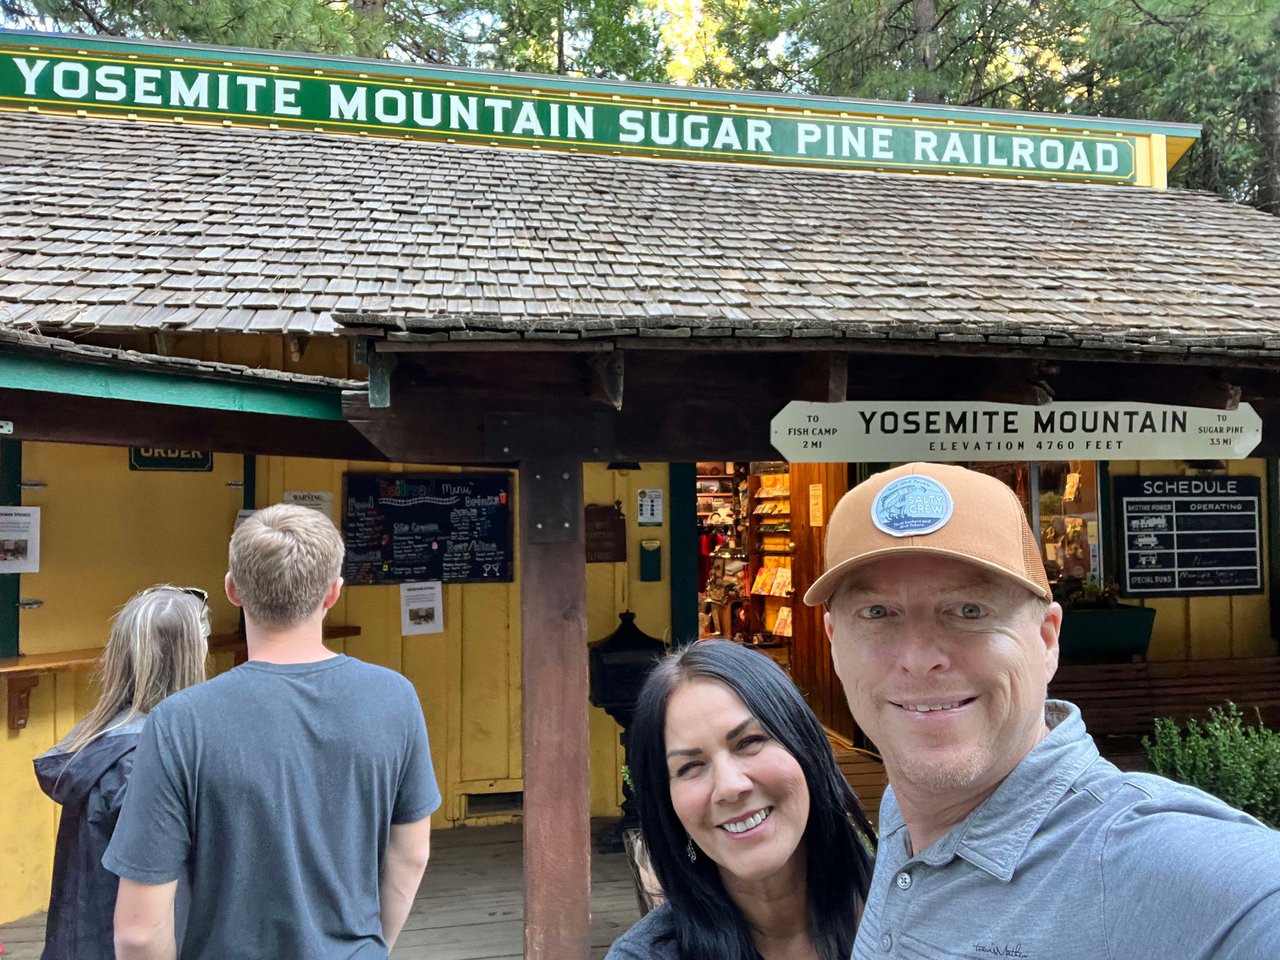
(1205, 628)
(468, 677)
(613, 588)
(107, 532)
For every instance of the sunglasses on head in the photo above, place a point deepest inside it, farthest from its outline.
(196, 592)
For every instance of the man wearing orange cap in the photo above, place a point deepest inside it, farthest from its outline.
(1004, 833)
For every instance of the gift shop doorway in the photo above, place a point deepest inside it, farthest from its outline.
(760, 533)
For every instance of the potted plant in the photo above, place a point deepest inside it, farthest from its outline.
(1097, 627)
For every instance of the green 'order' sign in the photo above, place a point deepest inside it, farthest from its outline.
(188, 84)
(170, 458)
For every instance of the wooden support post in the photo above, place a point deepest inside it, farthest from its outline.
(553, 610)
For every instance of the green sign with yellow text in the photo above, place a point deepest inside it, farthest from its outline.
(167, 458)
(98, 77)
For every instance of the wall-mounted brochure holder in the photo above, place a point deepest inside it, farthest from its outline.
(650, 560)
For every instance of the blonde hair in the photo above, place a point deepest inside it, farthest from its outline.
(156, 647)
(283, 560)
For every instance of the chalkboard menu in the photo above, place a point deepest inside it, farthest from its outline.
(403, 528)
(1190, 535)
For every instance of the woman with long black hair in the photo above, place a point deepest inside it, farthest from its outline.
(761, 847)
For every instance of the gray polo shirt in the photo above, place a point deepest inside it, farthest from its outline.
(1070, 859)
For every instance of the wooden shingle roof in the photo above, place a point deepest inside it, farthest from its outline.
(113, 225)
(31, 344)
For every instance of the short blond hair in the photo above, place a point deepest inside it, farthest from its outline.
(283, 560)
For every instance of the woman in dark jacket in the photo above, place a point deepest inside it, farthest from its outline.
(157, 646)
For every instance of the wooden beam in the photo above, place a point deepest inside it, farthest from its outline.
(419, 430)
(907, 348)
(71, 419)
(682, 406)
(557, 789)
(411, 343)
(444, 432)
(555, 382)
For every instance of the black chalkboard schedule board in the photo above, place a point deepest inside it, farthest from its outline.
(1190, 535)
(402, 528)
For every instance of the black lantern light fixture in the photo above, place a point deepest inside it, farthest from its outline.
(619, 664)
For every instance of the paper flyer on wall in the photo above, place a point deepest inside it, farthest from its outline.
(421, 608)
(319, 500)
(19, 539)
(649, 507)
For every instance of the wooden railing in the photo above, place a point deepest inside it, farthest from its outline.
(23, 673)
(1120, 701)
(865, 772)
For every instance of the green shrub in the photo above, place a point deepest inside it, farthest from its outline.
(1235, 761)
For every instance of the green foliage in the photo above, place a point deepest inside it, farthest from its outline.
(1235, 761)
(595, 38)
(1212, 62)
(261, 24)
(992, 54)
(592, 38)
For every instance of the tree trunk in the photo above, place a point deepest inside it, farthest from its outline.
(561, 66)
(1269, 162)
(375, 11)
(926, 46)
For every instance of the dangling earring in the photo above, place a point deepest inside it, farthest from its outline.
(691, 851)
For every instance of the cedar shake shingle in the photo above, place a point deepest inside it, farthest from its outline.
(126, 225)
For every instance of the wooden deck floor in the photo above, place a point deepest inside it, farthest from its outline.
(468, 908)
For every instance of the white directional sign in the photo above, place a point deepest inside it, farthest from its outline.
(857, 432)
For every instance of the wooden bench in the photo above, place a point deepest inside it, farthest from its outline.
(22, 673)
(1120, 701)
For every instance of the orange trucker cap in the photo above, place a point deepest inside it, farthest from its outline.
(935, 508)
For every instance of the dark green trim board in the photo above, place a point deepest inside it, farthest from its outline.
(1272, 495)
(10, 583)
(1108, 532)
(248, 501)
(111, 382)
(682, 478)
(250, 481)
(865, 471)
